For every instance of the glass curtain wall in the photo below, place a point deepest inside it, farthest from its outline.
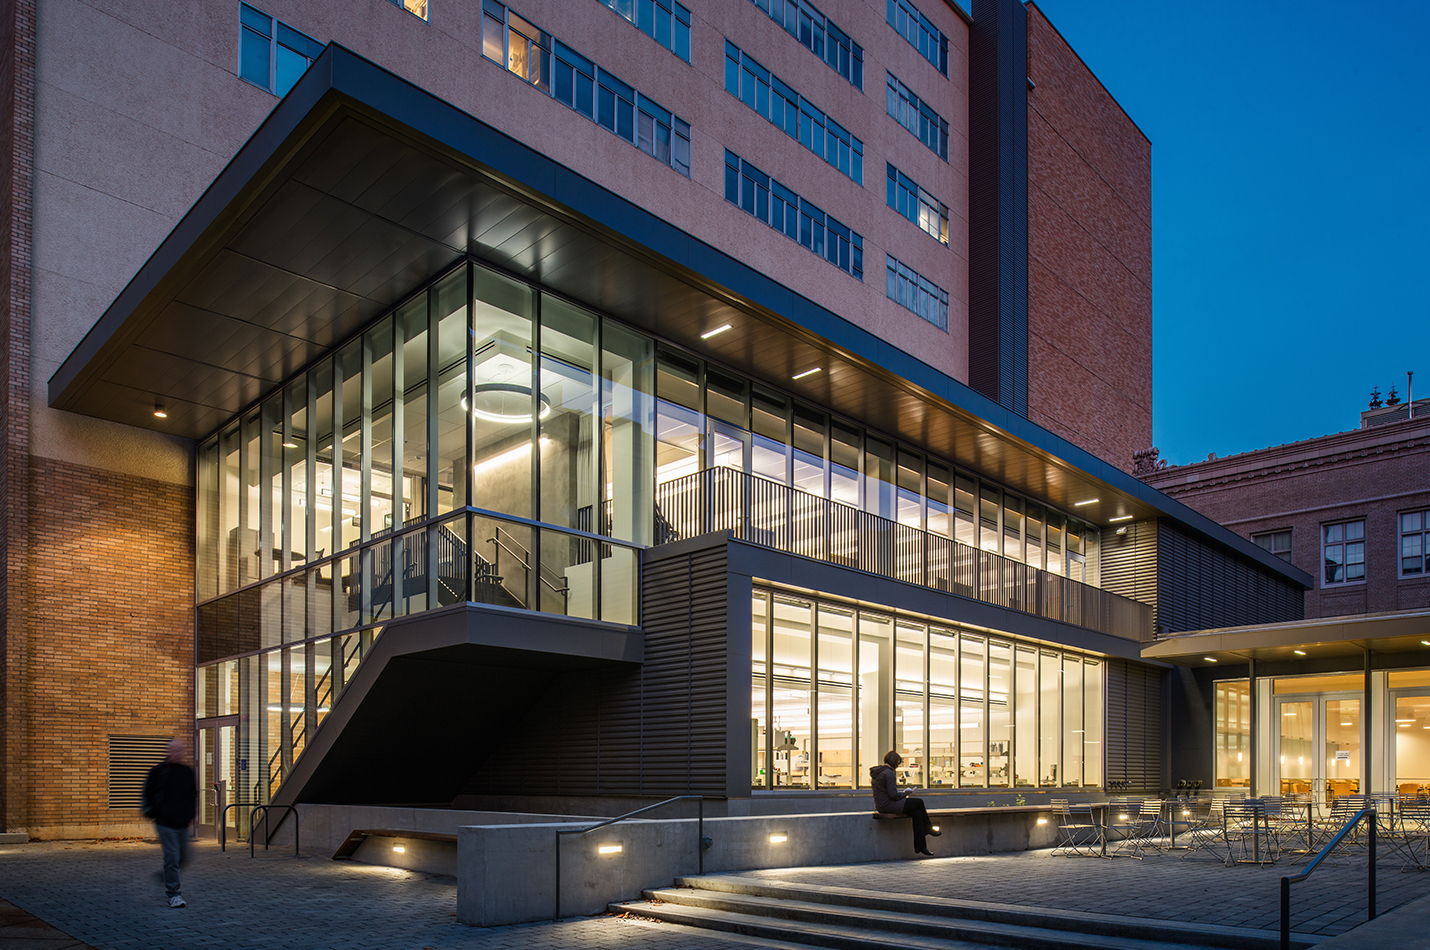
(844, 685)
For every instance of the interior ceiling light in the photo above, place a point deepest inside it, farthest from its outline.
(1122, 518)
(1209, 659)
(715, 332)
(159, 412)
(1299, 652)
(808, 372)
(1090, 501)
(502, 403)
(290, 445)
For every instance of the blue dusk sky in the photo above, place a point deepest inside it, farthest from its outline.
(1290, 202)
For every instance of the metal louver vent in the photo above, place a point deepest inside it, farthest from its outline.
(130, 759)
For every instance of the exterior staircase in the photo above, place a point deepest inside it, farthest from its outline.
(854, 919)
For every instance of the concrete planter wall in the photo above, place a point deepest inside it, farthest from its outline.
(506, 874)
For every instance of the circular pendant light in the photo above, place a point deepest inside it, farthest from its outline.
(505, 403)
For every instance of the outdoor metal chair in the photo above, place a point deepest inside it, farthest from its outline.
(1413, 840)
(1078, 829)
(1246, 837)
(1207, 835)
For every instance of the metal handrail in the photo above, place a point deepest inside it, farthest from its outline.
(253, 823)
(1286, 882)
(223, 822)
(524, 556)
(701, 842)
(770, 513)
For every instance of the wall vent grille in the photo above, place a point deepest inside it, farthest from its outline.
(130, 759)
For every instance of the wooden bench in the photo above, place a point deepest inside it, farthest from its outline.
(354, 841)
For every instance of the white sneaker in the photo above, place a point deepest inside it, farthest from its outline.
(177, 901)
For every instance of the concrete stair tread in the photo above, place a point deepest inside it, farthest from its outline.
(1165, 931)
(904, 924)
(790, 931)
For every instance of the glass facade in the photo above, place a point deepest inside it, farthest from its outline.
(835, 687)
(488, 442)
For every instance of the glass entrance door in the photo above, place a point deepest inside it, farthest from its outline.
(1319, 746)
(1412, 745)
(216, 760)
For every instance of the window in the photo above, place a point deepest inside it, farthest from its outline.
(915, 115)
(819, 35)
(796, 218)
(908, 289)
(1277, 542)
(665, 21)
(271, 54)
(1414, 543)
(906, 197)
(573, 80)
(913, 26)
(758, 88)
(1343, 552)
(417, 8)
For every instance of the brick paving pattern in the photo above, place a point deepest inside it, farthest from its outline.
(1161, 887)
(105, 895)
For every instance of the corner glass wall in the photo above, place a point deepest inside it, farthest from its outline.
(843, 685)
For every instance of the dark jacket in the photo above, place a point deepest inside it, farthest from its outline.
(887, 797)
(170, 794)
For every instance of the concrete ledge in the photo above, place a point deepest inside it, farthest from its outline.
(14, 837)
(507, 874)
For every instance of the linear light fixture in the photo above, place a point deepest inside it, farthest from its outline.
(507, 456)
(1299, 652)
(608, 849)
(1122, 518)
(1209, 659)
(808, 372)
(1090, 501)
(399, 849)
(778, 838)
(715, 332)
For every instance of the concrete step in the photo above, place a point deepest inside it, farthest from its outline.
(1107, 926)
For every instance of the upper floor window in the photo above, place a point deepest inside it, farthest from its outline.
(1277, 542)
(535, 55)
(904, 195)
(819, 35)
(929, 40)
(797, 117)
(758, 194)
(417, 8)
(665, 21)
(271, 54)
(1343, 552)
(912, 291)
(917, 116)
(1414, 543)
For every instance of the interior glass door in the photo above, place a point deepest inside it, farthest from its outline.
(1319, 746)
(216, 770)
(1412, 745)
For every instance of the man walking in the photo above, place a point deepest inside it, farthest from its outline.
(170, 794)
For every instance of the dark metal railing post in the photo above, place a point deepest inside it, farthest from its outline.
(700, 838)
(1370, 894)
(1285, 913)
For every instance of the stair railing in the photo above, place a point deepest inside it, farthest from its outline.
(702, 843)
(544, 574)
(1365, 813)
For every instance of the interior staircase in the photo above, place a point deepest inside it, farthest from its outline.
(855, 919)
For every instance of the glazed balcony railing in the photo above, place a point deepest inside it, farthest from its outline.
(765, 512)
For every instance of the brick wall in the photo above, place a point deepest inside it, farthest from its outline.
(1089, 256)
(1373, 474)
(17, 159)
(111, 596)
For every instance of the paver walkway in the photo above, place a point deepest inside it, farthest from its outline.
(1161, 887)
(105, 894)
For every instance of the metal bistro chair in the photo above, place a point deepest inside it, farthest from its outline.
(1124, 827)
(1414, 837)
(1077, 829)
(1209, 833)
(1343, 809)
(1245, 842)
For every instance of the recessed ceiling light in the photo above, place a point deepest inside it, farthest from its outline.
(159, 412)
(290, 445)
(1079, 504)
(1299, 652)
(1209, 659)
(715, 332)
(808, 372)
(1426, 642)
(1123, 518)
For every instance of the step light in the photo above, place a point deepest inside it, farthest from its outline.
(399, 849)
(608, 849)
(778, 838)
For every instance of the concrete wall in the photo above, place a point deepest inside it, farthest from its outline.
(507, 873)
(323, 828)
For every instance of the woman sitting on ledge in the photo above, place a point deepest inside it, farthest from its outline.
(888, 800)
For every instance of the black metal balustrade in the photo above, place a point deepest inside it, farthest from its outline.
(765, 512)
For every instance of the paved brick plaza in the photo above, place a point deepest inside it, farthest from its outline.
(104, 894)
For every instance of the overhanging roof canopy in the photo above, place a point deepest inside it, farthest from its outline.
(1399, 632)
(360, 186)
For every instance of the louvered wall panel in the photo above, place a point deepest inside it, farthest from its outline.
(130, 759)
(1134, 725)
(1201, 586)
(1129, 563)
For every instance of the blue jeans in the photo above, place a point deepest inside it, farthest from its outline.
(175, 842)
